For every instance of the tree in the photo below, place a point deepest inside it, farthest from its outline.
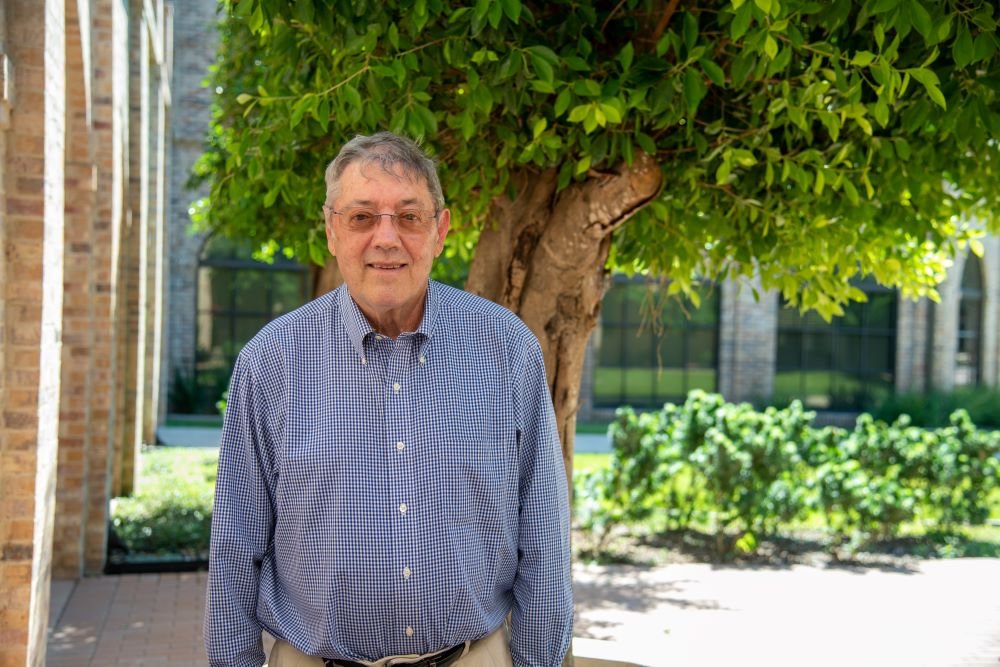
(805, 142)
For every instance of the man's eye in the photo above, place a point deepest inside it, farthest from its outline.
(361, 218)
(410, 216)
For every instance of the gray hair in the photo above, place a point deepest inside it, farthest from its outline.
(387, 151)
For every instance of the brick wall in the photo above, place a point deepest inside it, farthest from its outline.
(32, 292)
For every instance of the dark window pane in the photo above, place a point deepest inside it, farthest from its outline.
(701, 349)
(789, 349)
(656, 344)
(842, 364)
(879, 355)
(881, 311)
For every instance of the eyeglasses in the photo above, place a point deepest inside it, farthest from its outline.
(366, 219)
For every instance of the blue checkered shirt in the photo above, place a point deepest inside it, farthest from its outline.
(381, 497)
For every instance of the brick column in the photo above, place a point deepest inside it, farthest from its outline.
(77, 317)
(747, 338)
(991, 311)
(912, 340)
(32, 266)
(945, 329)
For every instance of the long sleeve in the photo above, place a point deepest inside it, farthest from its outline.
(542, 621)
(242, 523)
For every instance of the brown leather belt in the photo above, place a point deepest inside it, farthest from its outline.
(442, 659)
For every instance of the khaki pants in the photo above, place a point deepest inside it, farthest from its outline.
(490, 651)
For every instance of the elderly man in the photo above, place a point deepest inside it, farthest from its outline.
(390, 487)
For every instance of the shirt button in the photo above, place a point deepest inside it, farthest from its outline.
(423, 359)
(402, 508)
(396, 387)
(407, 572)
(363, 361)
(400, 446)
(409, 631)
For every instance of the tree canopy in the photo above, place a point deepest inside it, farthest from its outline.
(805, 141)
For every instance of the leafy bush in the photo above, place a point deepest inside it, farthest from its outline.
(171, 511)
(934, 408)
(746, 473)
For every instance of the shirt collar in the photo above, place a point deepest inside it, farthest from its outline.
(358, 327)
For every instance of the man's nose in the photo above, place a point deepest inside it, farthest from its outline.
(386, 233)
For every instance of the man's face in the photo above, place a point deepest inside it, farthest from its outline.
(386, 267)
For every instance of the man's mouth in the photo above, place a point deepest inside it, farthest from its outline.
(381, 266)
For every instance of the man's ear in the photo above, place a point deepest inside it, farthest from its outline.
(331, 233)
(443, 224)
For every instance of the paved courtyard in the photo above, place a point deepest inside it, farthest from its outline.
(935, 613)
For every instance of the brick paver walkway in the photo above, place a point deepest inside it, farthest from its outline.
(937, 613)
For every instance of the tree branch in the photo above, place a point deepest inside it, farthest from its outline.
(668, 14)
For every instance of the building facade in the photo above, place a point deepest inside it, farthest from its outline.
(84, 121)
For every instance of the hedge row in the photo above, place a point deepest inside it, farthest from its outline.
(747, 473)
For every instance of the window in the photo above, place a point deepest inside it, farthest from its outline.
(970, 324)
(236, 297)
(651, 352)
(844, 365)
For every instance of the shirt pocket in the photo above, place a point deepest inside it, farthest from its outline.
(478, 478)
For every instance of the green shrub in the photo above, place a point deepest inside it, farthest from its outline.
(171, 511)
(934, 408)
(746, 473)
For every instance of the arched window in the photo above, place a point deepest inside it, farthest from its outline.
(648, 355)
(237, 295)
(846, 364)
(970, 325)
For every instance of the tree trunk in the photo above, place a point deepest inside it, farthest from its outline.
(544, 257)
(324, 278)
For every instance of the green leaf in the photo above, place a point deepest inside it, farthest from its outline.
(562, 102)
(582, 165)
(694, 90)
(863, 58)
(713, 71)
(741, 22)
(542, 68)
(690, 31)
(770, 47)
(984, 46)
(495, 14)
(882, 6)
(243, 98)
(880, 110)
(579, 112)
(921, 20)
(539, 127)
(851, 192)
(611, 112)
(540, 86)
(763, 5)
(722, 173)
(625, 56)
(587, 88)
(645, 142)
(961, 50)
(512, 8)
(351, 95)
(930, 82)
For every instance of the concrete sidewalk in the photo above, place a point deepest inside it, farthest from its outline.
(208, 436)
(934, 613)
